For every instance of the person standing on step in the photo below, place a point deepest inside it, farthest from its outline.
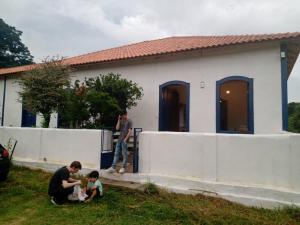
(124, 124)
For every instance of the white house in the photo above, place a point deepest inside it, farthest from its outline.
(234, 84)
(226, 96)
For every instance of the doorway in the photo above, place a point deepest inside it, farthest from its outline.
(28, 118)
(174, 106)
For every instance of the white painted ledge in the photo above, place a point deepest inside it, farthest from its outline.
(246, 195)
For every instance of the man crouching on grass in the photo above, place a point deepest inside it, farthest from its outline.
(61, 184)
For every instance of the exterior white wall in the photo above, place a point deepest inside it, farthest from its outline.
(263, 65)
(265, 161)
(58, 146)
(13, 108)
(53, 120)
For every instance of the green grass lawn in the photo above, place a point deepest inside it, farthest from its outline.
(24, 200)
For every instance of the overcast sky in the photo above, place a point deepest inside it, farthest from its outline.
(72, 27)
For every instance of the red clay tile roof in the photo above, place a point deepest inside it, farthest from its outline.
(163, 46)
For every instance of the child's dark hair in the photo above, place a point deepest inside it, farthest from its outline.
(94, 174)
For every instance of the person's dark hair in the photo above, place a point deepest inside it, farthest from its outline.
(94, 174)
(76, 165)
(123, 112)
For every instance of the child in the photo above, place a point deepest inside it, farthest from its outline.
(94, 186)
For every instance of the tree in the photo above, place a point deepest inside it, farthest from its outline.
(124, 91)
(102, 97)
(12, 51)
(102, 108)
(73, 110)
(116, 93)
(294, 117)
(42, 88)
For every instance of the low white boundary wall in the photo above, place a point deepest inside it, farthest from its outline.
(260, 170)
(253, 167)
(57, 146)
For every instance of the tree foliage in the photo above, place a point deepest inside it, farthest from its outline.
(12, 51)
(102, 107)
(73, 110)
(294, 117)
(103, 98)
(42, 88)
(126, 92)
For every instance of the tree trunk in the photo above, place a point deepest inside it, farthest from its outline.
(46, 121)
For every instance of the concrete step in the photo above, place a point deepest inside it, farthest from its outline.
(120, 183)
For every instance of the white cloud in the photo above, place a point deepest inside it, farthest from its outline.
(129, 28)
(137, 28)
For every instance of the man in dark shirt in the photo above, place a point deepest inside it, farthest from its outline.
(61, 184)
(124, 124)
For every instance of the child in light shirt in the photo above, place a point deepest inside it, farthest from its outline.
(94, 186)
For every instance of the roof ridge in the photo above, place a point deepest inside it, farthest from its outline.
(172, 37)
(121, 46)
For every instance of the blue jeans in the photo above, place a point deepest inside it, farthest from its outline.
(120, 145)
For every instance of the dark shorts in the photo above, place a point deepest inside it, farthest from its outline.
(89, 193)
(61, 194)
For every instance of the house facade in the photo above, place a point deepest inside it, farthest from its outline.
(203, 87)
(219, 84)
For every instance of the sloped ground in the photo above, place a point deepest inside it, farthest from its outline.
(24, 200)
